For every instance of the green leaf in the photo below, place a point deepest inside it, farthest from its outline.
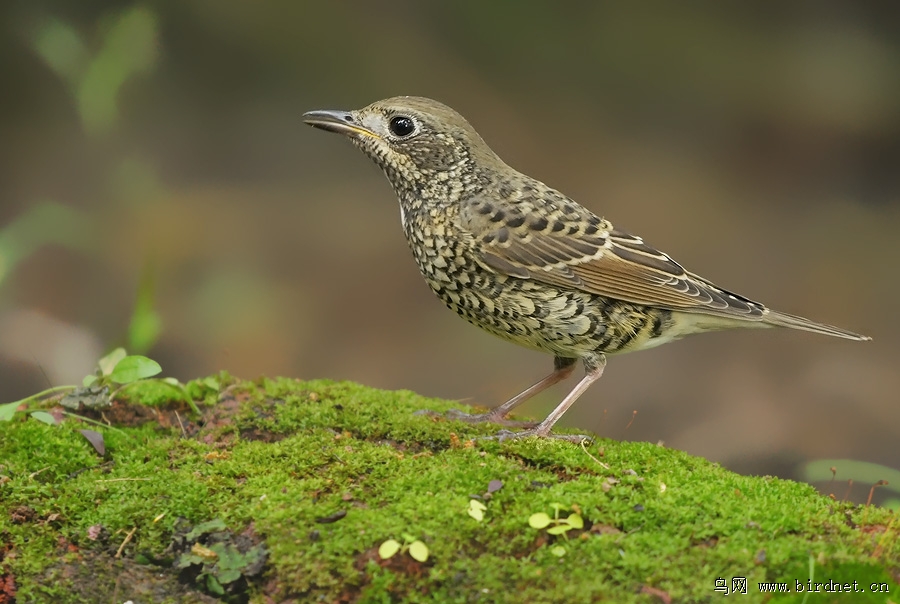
(129, 47)
(171, 381)
(558, 550)
(419, 551)
(8, 410)
(88, 381)
(211, 382)
(144, 329)
(575, 521)
(146, 324)
(539, 520)
(188, 559)
(229, 575)
(109, 362)
(45, 222)
(43, 416)
(559, 529)
(210, 526)
(134, 368)
(62, 48)
(388, 549)
(407, 537)
(476, 509)
(213, 585)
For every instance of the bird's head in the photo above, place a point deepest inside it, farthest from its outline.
(428, 151)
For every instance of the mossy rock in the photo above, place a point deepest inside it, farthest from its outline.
(283, 491)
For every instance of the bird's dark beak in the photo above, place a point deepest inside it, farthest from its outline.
(341, 122)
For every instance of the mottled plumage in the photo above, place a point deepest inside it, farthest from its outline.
(526, 263)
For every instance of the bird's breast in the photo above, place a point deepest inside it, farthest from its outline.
(437, 251)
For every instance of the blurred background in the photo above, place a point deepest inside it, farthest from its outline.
(159, 190)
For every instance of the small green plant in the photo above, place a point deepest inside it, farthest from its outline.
(219, 558)
(476, 509)
(115, 371)
(416, 548)
(557, 525)
(119, 368)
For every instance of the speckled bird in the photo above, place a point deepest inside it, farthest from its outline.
(525, 262)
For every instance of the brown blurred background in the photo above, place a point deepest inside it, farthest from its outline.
(158, 189)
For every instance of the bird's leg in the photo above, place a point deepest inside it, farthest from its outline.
(562, 368)
(593, 366)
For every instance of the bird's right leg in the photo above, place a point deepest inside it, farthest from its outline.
(562, 368)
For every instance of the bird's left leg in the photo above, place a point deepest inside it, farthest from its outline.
(562, 368)
(593, 366)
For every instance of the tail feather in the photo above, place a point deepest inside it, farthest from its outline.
(780, 319)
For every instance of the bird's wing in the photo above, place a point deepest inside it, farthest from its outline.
(545, 236)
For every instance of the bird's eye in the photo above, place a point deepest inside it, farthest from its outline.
(402, 126)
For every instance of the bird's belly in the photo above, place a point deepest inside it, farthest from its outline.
(568, 323)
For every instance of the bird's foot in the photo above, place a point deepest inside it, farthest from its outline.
(491, 416)
(475, 418)
(503, 435)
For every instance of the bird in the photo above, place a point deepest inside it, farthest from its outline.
(525, 262)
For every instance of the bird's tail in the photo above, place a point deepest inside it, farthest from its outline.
(780, 319)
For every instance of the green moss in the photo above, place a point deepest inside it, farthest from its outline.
(282, 460)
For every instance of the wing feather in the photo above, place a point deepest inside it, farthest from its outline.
(549, 238)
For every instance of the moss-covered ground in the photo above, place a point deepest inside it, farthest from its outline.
(284, 490)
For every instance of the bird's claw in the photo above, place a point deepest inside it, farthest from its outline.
(490, 416)
(475, 418)
(504, 435)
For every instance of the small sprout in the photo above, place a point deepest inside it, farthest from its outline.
(416, 548)
(562, 526)
(539, 520)
(557, 525)
(662, 487)
(388, 549)
(476, 509)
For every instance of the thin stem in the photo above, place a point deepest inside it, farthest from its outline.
(39, 395)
